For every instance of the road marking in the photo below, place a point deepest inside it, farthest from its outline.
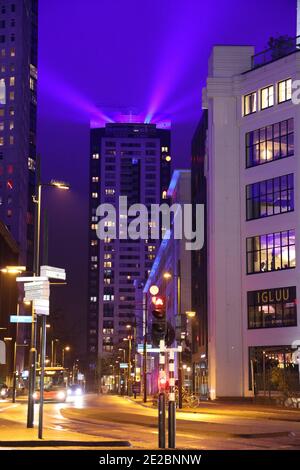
(8, 407)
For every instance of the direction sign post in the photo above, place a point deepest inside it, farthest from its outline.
(37, 291)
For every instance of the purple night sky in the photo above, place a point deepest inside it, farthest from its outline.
(146, 55)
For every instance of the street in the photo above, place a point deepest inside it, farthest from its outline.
(106, 417)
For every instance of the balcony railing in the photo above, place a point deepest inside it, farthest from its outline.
(282, 47)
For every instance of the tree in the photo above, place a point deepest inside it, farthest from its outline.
(281, 46)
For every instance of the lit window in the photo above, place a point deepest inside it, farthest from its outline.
(95, 156)
(11, 125)
(1, 126)
(94, 195)
(1, 141)
(95, 179)
(164, 149)
(9, 184)
(11, 95)
(285, 90)
(94, 242)
(31, 164)
(250, 103)
(164, 194)
(94, 226)
(107, 264)
(93, 299)
(267, 97)
(12, 52)
(12, 81)
(109, 191)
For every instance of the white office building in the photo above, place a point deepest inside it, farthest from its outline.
(253, 202)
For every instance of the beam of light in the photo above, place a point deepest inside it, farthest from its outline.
(185, 102)
(175, 61)
(58, 89)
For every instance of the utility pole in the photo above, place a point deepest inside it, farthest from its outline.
(36, 268)
(145, 327)
(162, 397)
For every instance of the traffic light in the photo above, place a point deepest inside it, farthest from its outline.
(159, 320)
(162, 381)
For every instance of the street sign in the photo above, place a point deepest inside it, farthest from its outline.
(123, 365)
(41, 306)
(20, 319)
(37, 290)
(141, 346)
(31, 278)
(53, 273)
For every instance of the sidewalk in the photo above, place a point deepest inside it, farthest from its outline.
(15, 434)
(231, 408)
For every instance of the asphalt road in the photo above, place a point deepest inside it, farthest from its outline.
(116, 418)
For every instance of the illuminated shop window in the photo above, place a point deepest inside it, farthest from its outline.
(272, 308)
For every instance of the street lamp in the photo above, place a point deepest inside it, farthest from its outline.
(13, 269)
(66, 348)
(37, 199)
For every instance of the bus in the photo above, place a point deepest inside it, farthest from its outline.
(55, 384)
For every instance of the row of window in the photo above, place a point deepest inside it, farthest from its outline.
(267, 97)
(270, 143)
(271, 252)
(270, 197)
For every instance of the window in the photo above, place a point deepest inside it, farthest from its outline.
(270, 197)
(250, 103)
(270, 143)
(285, 90)
(95, 156)
(12, 52)
(271, 252)
(267, 97)
(272, 308)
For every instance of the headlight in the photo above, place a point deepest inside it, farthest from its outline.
(35, 396)
(78, 391)
(61, 395)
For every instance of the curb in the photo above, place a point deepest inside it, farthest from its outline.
(64, 443)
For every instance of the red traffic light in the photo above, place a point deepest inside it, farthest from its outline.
(162, 381)
(159, 302)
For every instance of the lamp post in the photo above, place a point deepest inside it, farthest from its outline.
(53, 351)
(129, 387)
(37, 199)
(66, 348)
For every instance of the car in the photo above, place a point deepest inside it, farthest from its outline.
(4, 391)
(75, 390)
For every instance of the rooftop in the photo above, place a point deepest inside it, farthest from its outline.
(281, 46)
